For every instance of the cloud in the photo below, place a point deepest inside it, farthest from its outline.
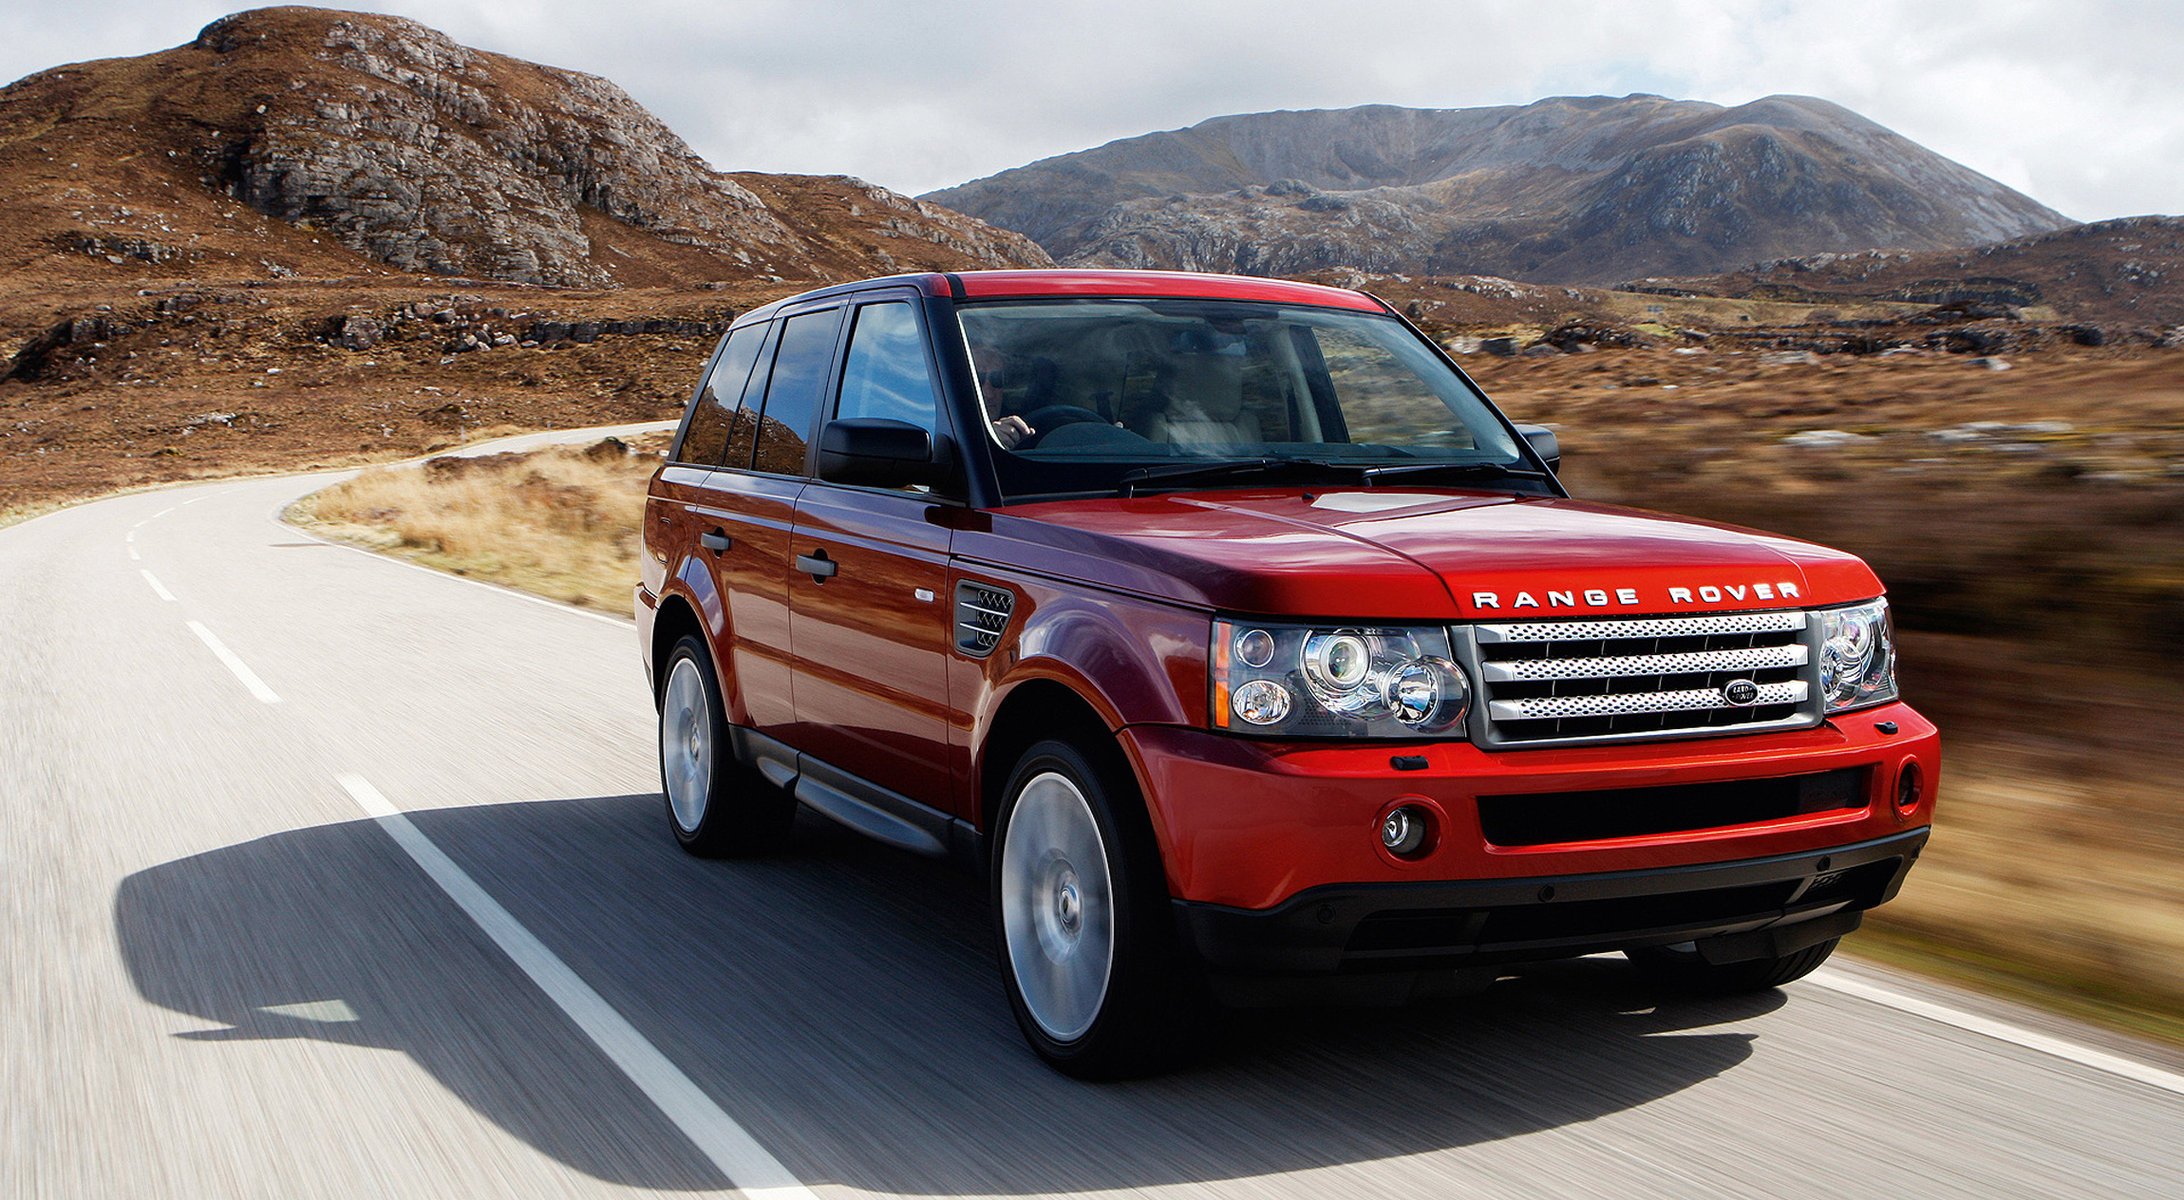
(2072, 103)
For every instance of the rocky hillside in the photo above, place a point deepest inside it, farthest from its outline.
(1566, 189)
(293, 141)
(2127, 272)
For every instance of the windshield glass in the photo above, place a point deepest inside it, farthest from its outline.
(1092, 395)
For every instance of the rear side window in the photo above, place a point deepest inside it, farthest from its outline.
(707, 437)
(743, 426)
(884, 374)
(792, 398)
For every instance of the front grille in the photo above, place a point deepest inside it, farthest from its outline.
(1556, 682)
(1547, 818)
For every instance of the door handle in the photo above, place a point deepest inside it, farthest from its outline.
(716, 541)
(817, 565)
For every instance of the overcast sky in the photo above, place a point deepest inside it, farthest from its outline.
(2080, 105)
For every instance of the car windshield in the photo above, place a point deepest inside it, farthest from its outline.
(1129, 395)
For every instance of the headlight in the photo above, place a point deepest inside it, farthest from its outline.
(1857, 656)
(1336, 681)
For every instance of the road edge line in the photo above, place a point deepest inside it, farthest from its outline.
(2003, 1031)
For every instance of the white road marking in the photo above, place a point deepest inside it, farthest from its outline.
(133, 555)
(162, 512)
(2084, 1056)
(158, 588)
(238, 666)
(130, 537)
(323, 1012)
(716, 1134)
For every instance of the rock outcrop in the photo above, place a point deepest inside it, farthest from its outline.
(390, 140)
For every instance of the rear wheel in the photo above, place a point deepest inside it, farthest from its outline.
(715, 805)
(1683, 969)
(1080, 911)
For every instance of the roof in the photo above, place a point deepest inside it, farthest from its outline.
(998, 285)
(991, 285)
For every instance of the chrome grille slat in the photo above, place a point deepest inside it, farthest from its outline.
(1656, 627)
(1544, 708)
(1758, 658)
(1553, 683)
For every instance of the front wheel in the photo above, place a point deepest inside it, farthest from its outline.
(1685, 970)
(715, 805)
(1080, 912)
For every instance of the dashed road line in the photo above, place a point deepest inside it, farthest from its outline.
(2016, 1035)
(728, 1145)
(238, 666)
(159, 589)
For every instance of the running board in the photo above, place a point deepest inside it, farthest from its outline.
(874, 811)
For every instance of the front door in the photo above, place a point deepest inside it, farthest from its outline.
(870, 616)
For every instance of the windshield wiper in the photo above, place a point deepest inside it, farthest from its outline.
(1371, 475)
(1198, 472)
(1311, 470)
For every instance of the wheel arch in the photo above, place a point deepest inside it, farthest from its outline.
(1029, 713)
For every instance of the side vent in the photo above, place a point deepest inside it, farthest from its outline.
(981, 614)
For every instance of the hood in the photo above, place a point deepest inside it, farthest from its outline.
(1433, 555)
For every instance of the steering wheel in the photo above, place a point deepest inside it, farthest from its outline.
(1044, 421)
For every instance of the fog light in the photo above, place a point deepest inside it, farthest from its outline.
(1403, 830)
(1910, 788)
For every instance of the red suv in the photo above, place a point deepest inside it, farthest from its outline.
(1246, 646)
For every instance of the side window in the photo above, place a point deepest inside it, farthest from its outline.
(792, 397)
(707, 435)
(885, 374)
(743, 425)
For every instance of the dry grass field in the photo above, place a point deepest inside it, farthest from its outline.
(562, 523)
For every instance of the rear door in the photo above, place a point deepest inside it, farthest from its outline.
(867, 585)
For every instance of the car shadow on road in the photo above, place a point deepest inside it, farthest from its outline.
(840, 1001)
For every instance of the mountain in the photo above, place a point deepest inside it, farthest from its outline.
(2124, 272)
(295, 141)
(1566, 189)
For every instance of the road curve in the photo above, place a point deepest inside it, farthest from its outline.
(325, 876)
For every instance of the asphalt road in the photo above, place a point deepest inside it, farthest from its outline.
(323, 875)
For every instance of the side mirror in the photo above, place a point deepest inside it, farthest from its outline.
(1545, 444)
(878, 452)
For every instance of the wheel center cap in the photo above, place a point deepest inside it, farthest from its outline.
(1068, 905)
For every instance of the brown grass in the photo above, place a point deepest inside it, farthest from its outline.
(562, 523)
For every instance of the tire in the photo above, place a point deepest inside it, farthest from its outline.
(1685, 971)
(1080, 912)
(716, 806)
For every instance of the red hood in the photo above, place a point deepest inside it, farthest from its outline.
(1421, 555)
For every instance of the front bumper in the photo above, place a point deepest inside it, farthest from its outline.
(1273, 857)
(1745, 909)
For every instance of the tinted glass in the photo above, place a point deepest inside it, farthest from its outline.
(743, 426)
(792, 398)
(884, 374)
(707, 437)
(1080, 394)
